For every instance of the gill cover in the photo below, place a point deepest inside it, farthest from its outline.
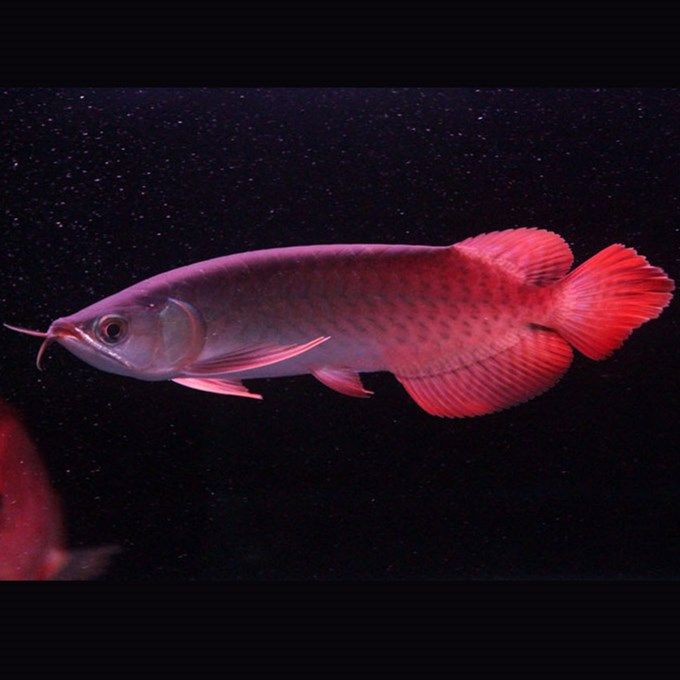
(182, 332)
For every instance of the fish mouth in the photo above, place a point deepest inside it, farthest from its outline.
(57, 331)
(66, 330)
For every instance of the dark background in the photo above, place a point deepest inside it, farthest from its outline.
(104, 187)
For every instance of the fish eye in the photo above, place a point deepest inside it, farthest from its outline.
(111, 329)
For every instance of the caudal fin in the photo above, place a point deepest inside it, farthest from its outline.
(607, 297)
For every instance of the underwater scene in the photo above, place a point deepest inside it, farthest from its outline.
(339, 334)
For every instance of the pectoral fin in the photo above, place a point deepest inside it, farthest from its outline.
(342, 380)
(232, 387)
(84, 564)
(247, 358)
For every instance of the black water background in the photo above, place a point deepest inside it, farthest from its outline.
(104, 187)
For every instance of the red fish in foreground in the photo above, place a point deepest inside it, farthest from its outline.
(467, 329)
(31, 532)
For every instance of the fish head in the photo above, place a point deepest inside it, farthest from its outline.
(144, 337)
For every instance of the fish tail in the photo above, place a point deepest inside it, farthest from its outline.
(607, 297)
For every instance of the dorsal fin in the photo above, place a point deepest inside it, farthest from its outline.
(536, 255)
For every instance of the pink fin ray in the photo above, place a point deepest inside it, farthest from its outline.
(513, 375)
(231, 387)
(342, 380)
(250, 357)
(536, 255)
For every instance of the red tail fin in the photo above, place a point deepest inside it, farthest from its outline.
(607, 297)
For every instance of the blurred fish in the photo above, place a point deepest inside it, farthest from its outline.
(467, 329)
(31, 531)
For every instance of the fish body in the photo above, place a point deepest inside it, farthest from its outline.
(467, 329)
(31, 529)
(384, 307)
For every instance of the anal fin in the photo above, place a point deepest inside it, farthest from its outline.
(513, 375)
(342, 380)
(218, 386)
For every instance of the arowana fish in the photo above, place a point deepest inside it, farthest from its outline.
(467, 329)
(31, 530)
